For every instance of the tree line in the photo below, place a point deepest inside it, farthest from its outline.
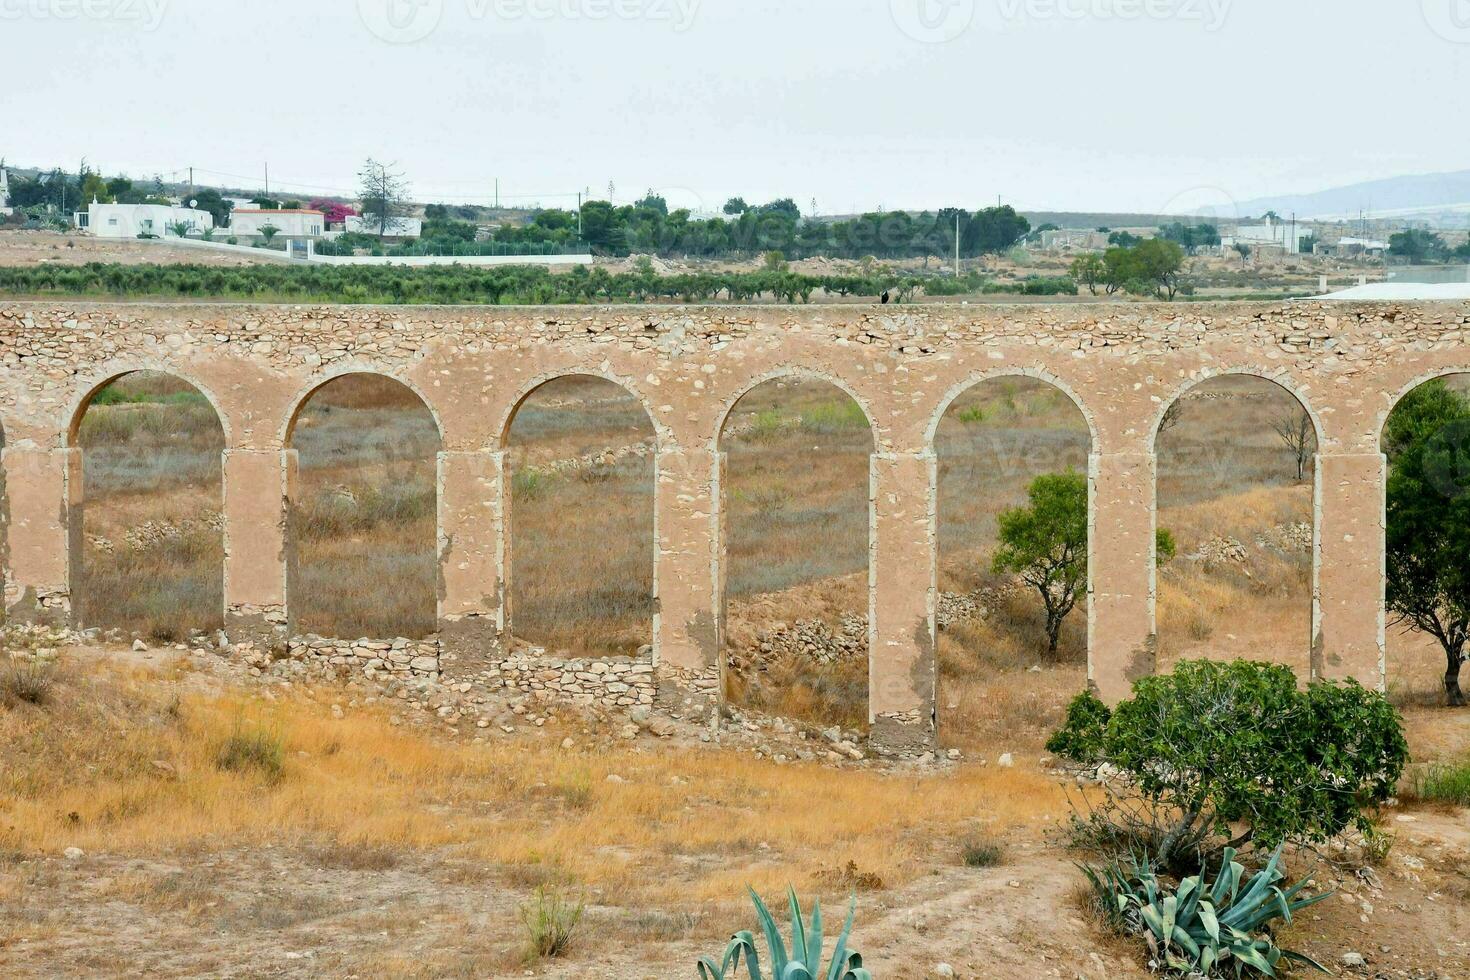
(456, 284)
(649, 226)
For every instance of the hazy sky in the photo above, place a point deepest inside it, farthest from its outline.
(1083, 104)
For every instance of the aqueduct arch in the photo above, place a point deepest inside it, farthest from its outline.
(472, 365)
(510, 623)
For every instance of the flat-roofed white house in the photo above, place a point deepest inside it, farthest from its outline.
(134, 220)
(288, 222)
(396, 228)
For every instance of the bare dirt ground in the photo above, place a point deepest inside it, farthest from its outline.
(76, 248)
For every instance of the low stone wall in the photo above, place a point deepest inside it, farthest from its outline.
(613, 683)
(408, 658)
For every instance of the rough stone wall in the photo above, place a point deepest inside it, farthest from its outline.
(612, 683)
(1348, 363)
(416, 658)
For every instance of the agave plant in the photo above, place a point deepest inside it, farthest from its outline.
(1207, 928)
(805, 961)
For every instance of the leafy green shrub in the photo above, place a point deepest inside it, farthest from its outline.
(1081, 737)
(550, 919)
(1165, 547)
(256, 749)
(1202, 927)
(805, 961)
(1218, 744)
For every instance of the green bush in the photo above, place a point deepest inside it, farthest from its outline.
(1165, 547)
(1213, 745)
(1204, 927)
(1081, 737)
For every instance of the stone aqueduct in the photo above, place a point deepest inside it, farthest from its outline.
(1347, 364)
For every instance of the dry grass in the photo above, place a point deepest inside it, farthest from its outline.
(366, 551)
(581, 539)
(151, 453)
(117, 763)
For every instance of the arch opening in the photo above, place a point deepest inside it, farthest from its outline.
(1006, 667)
(795, 538)
(1235, 494)
(1426, 442)
(581, 451)
(364, 511)
(148, 531)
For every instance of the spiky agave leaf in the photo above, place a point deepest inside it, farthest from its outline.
(844, 963)
(772, 933)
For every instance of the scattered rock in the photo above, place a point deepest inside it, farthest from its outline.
(73, 853)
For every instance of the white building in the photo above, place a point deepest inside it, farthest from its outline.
(1286, 235)
(289, 223)
(397, 227)
(1360, 246)
(133, 220)
(5, 191)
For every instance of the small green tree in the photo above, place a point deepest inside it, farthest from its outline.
(1158, 262)
(180, 228)
(1427, 585)
(1243, 250)
(1089, 271)
(269, 232)
(1045, 543)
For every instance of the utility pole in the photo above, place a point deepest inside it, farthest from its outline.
(957, 244)
(267, 181)
(497, 193)
(191, 181)
(579, 214)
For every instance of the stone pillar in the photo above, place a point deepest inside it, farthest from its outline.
(473, 556)
(686, 635)
(44, 492)
(1347, 592)
(259, 485)
(901, 599)
(1121, 642)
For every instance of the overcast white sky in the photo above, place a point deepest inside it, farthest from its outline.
(1078, 104)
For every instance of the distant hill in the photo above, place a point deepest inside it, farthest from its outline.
(1400, 196)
